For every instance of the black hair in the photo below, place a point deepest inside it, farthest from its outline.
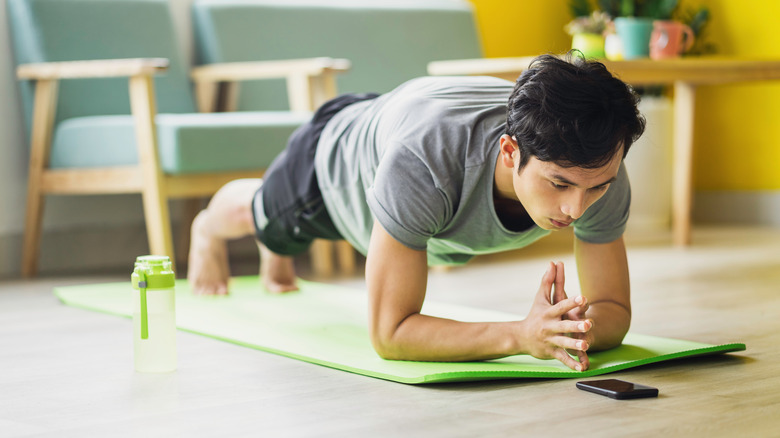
(572, 112)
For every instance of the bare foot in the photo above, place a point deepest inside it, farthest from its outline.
(277, 272)
(208, 271)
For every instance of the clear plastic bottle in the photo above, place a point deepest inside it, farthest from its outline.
(154, 315)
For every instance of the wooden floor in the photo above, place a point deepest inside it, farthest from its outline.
(67, 372)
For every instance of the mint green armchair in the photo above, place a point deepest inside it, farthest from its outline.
(109, 109)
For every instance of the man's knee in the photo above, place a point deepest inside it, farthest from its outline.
(241, 188)
(231, 208)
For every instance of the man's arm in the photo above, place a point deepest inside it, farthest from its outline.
(604, 281)
(397, 280)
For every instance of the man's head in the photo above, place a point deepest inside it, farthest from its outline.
(570, 123)
(572, 112)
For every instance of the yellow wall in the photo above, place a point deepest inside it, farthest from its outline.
(738, 126)
(522, 27)
(737, 141)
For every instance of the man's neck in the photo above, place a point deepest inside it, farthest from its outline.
(512, 214)
(502, 182)
(509, 209)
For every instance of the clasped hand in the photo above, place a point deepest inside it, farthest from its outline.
(556, 324)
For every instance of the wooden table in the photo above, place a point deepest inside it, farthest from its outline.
(683, 74)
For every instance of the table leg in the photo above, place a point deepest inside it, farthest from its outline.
(682, 182)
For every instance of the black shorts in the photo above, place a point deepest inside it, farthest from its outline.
(288, 209)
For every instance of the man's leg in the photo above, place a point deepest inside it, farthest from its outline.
(229, 216)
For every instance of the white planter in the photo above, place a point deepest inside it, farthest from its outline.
(649, 166)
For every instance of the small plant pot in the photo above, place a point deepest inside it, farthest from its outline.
(590, 44)
(635, 33)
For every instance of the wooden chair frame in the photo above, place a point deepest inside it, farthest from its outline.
(310, 82)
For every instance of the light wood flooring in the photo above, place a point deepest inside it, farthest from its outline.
(66, 372)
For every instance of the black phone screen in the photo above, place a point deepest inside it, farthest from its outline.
(618, 389)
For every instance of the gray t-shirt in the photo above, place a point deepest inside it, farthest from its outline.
(421, 160)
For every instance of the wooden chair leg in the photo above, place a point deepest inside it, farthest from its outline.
(322, 257)
(155, 200)
(190, 209)
(346, 257)
(307, 94)
(158, 224)
(32, 230)
(44, 109)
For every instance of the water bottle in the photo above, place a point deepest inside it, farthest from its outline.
(154, 315)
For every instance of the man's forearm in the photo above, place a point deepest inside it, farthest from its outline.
(542, 334)
(397, 280)
(427, 338)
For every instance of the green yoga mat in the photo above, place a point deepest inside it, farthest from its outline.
(327, 325)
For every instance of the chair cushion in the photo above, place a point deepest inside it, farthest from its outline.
(188, 143)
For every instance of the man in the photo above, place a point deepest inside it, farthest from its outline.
(435, 172)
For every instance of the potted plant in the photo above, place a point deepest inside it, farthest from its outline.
(587, 33)
(697, 19)
(654, 9)
(634, 22)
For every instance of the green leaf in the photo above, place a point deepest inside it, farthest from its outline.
(580, 8)
(659, 9)
(611, 7)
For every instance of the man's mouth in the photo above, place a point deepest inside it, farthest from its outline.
(559, 224)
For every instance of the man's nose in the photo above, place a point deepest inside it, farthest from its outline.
(574, 206)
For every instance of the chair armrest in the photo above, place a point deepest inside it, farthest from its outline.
(102, 68)
(240, 71)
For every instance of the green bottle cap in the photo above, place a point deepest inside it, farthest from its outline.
(151, 272)
(157, 271)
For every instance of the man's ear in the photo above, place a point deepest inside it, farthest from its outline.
(509, 151)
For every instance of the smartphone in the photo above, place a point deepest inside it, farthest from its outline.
(618, 389)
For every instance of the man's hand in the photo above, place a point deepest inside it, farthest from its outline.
(577, 314)
(550, 330)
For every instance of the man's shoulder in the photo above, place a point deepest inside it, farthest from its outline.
(447, 108)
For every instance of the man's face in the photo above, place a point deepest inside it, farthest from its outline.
(555, 196)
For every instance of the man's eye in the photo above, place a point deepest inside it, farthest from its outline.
(558, 186)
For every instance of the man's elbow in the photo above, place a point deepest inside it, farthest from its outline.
(611, 323)
(612, 339)
(606, 344)
(386, 346)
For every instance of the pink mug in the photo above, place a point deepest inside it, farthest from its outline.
(666, 41)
